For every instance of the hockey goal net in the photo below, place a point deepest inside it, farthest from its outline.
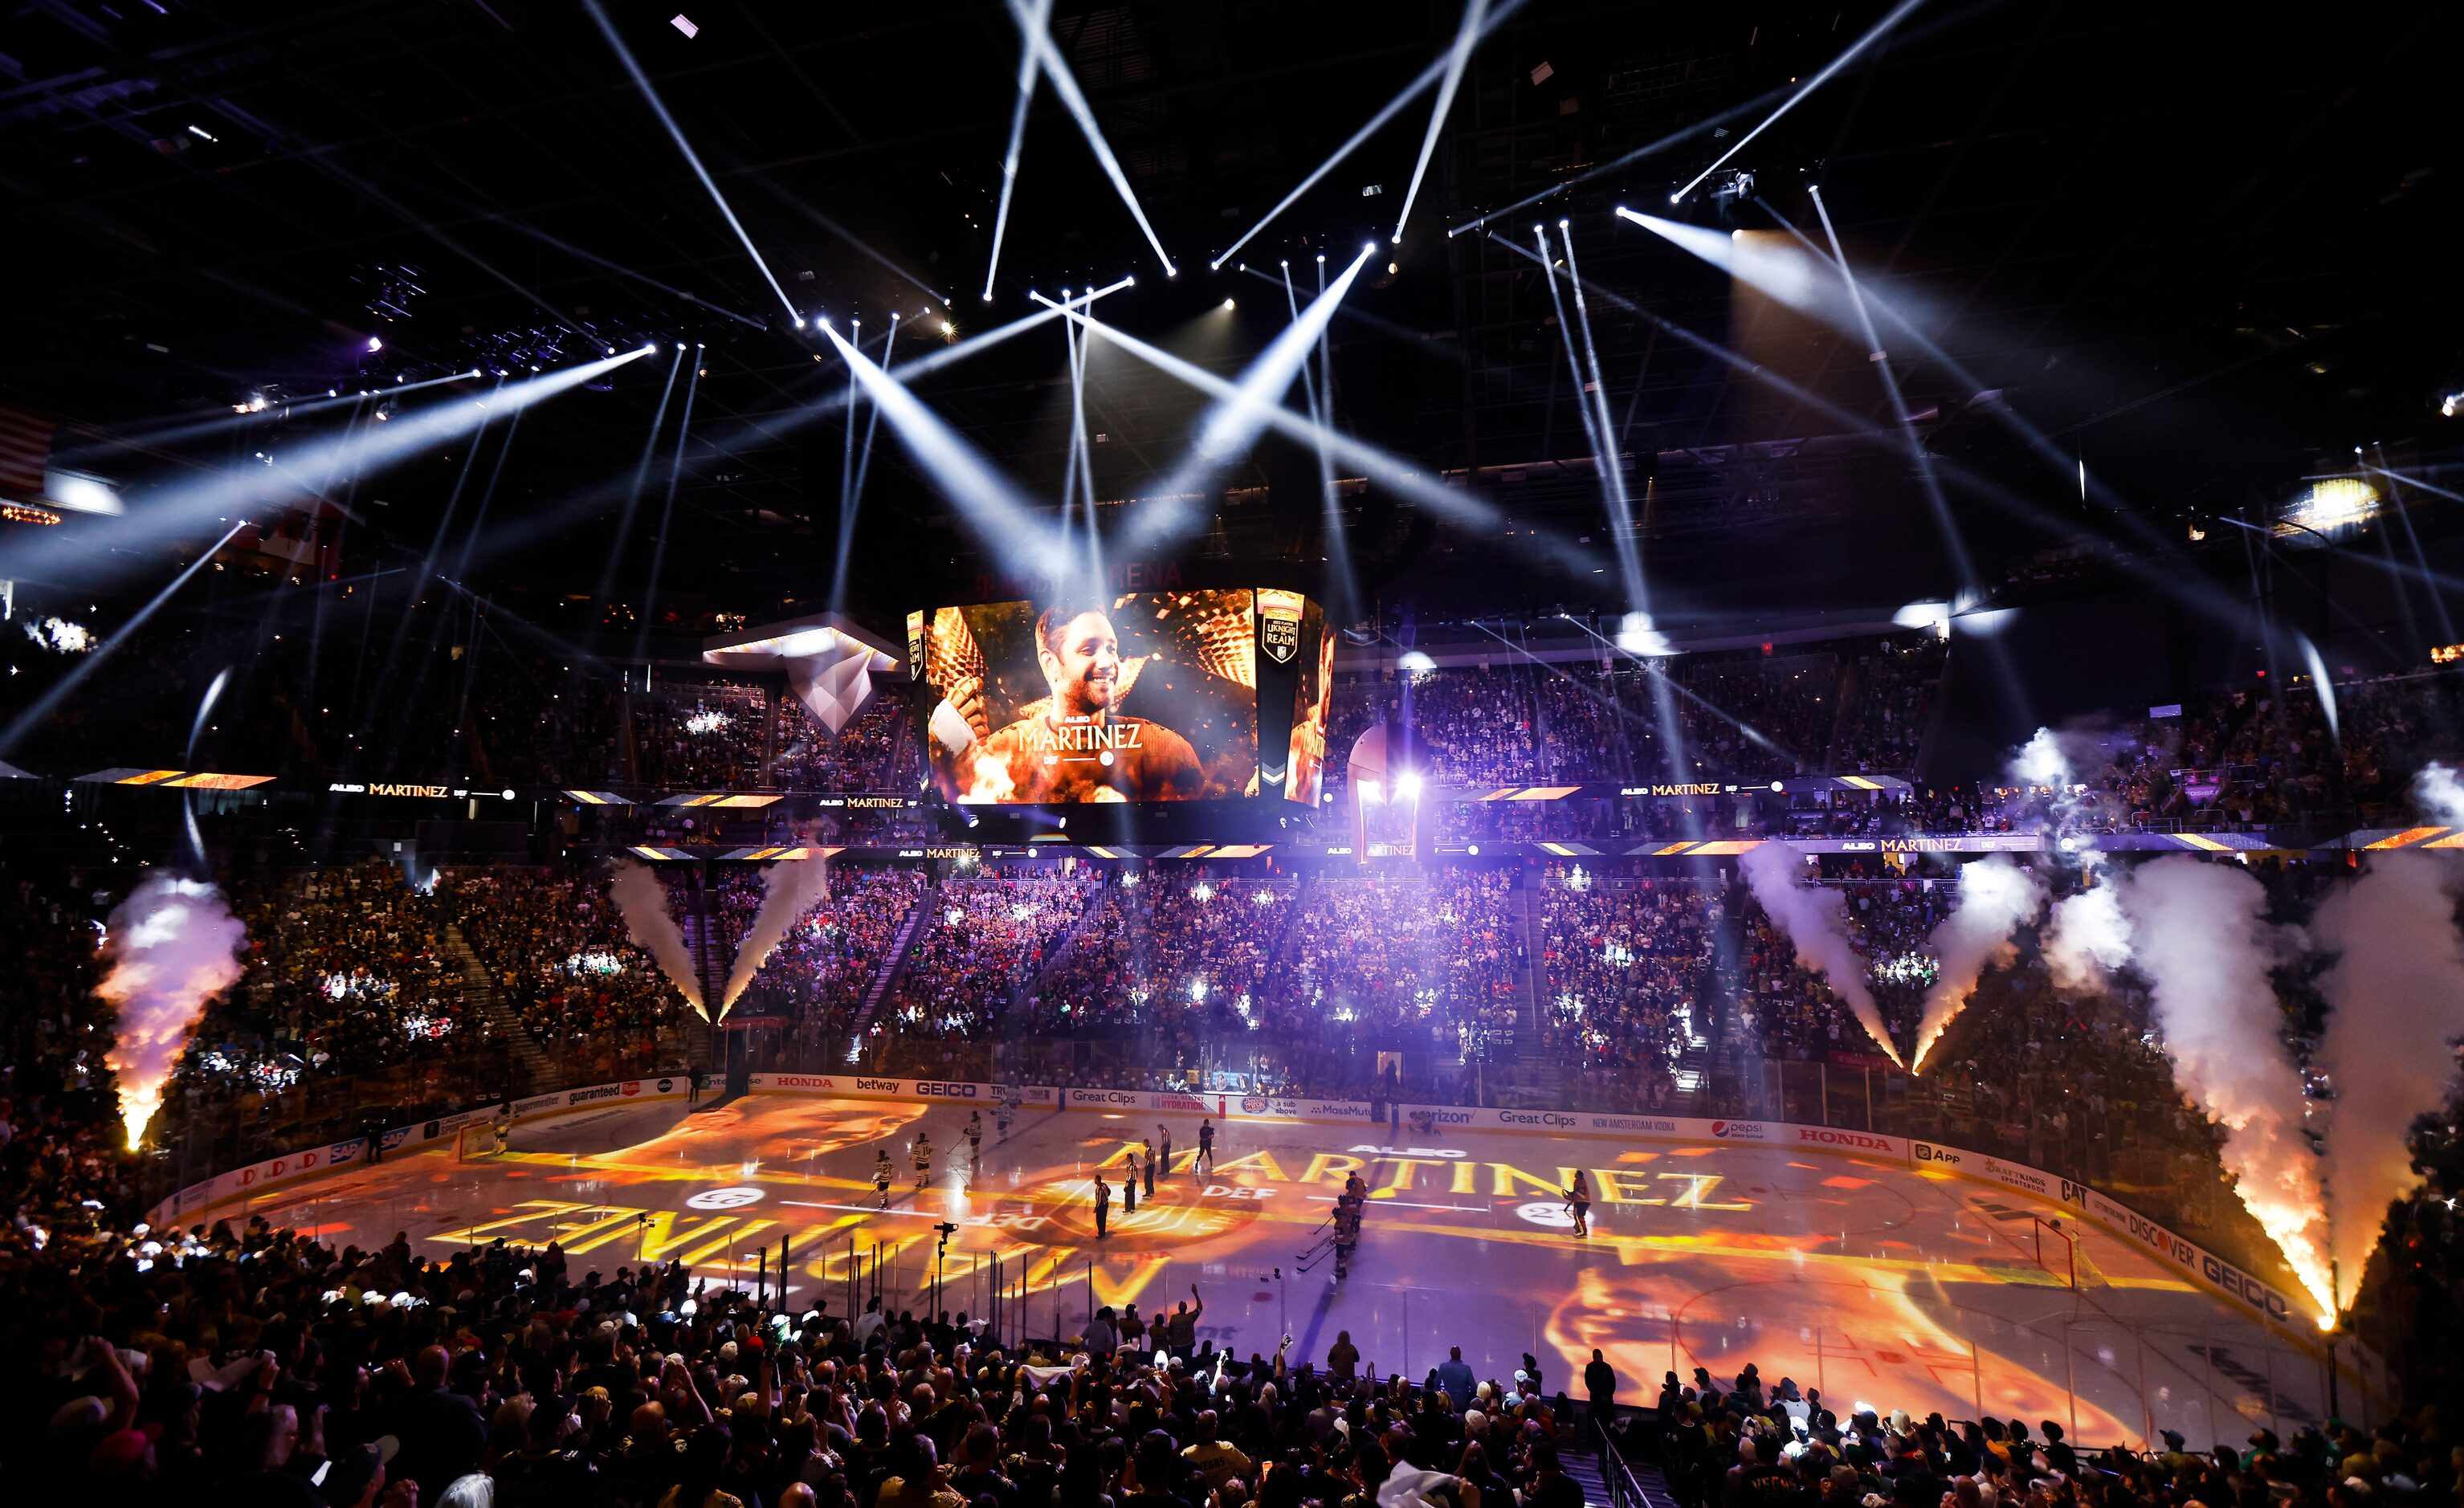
(474, 1142)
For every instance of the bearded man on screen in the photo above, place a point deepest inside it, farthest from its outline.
(1074, 744)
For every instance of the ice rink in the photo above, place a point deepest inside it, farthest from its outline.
(1874, 1282)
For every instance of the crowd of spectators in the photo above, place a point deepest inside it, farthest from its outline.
(874, 752)
(1787, 1011)
(983, 936)
(1432, 956)
(555, 946)
(1627, 971)
(245, 1364)
(1744, 716)
(1758, 1442)
(1167, 950)
(1884, 727)
(817, 975)
(710, 734)
(58, 1125)
(347, 972)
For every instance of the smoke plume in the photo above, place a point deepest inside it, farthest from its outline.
(2206, 949)
(1994, 897)
(644, 901)
(2041, 762)
(1811, 919)
(790, 889)
(171, 946)
(2398, 993)
(2089, 937)
(2440, 795)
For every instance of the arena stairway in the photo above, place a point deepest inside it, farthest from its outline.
(890, 963)
(1585, 1469)
(532, 1064)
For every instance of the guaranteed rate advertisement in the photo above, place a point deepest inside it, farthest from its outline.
(1141, 696)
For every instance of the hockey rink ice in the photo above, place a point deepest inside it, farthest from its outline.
(1873, 1280)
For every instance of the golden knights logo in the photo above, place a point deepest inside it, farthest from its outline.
(1279, 624)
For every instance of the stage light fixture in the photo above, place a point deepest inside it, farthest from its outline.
(1227, 303)
(375, 344)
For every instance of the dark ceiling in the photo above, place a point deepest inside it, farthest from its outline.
(2202, 249)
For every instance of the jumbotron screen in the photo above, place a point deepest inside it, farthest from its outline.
(1133, 696)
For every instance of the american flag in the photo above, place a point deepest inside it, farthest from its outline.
(25, 452)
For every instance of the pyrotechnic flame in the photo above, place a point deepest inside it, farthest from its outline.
(170, 944)
(1994, 897)
(2206, 949)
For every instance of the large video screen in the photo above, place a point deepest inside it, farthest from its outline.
(1312, 651)
(1139, 696)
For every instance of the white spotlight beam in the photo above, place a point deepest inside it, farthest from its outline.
(1375, 124)
(50, 701)
(1675, 137)
(1056, 68)
(1466, 37)
(769, 428)
(1002, 514)
(1874, 34)
(642, 82)
(1882, 363)
(1338, 552)
(1235, 423)
(194, 507)
(170, 430)
(1609, 457)
(1036, 24)
(1386, 112)
(1454, 506)
(1629, 565)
